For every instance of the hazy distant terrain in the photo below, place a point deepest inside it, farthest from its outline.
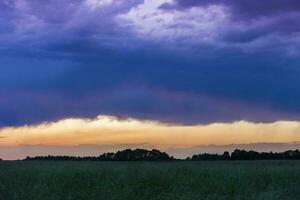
(36, 180)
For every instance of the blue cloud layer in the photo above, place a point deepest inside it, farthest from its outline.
(70, 59)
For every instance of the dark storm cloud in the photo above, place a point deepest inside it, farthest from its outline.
(251, 20)
(185, 92)
(67, 59)
(245, 8)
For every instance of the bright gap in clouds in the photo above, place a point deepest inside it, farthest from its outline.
(99, 3)
(91, 137)
(193, 24)
(107, 130)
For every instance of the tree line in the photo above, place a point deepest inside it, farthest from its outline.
(156, 155)
(248, 155)
(125, 155)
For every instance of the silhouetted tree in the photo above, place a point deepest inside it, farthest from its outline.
(156, 155)
(249, 155)
(226, 156)
(125, 155)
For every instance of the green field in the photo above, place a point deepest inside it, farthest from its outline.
(149, 180)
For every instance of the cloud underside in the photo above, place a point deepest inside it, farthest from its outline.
(106, 133)
(181, 61)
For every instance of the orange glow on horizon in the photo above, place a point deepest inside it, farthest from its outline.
(106, 130)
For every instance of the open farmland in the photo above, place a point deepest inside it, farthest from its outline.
(54, 180)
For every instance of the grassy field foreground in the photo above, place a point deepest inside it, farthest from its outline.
(149, 180)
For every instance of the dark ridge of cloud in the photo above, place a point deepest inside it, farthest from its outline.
(251, 20)
(283, 26)
(155, 86)
(247, 9)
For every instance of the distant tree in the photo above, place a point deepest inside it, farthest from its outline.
(226, 155)
(156, 155)
(238, 154)
(125, 155)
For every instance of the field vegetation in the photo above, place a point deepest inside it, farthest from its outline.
(86, 180)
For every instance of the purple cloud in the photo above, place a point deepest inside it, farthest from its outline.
(188, 62)
(244, 8)
(251, 21)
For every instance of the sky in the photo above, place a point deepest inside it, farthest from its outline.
(88, 76)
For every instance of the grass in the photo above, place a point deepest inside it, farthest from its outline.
(150, 180)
